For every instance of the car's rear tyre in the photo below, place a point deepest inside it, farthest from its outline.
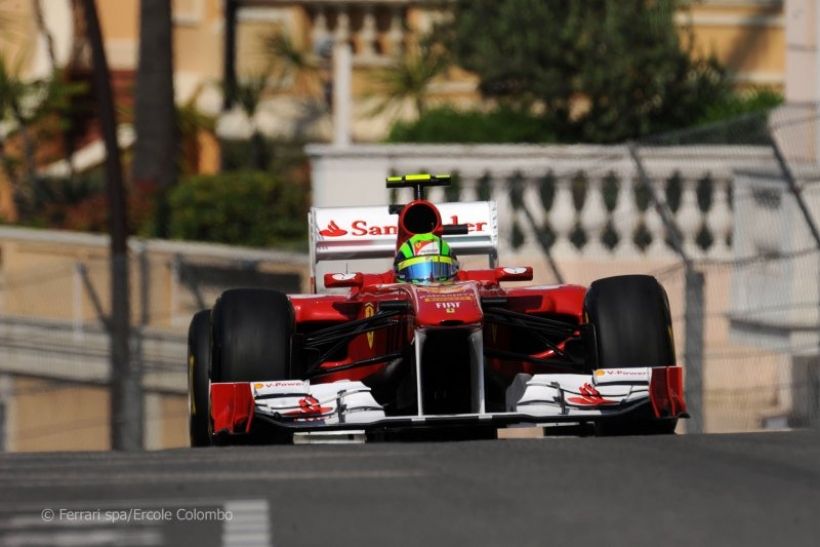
(199, 364)
(252, 331)
(633, 328)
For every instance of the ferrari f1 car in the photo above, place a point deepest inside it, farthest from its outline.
(383, 352)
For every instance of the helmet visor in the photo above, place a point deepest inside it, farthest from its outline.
(427, 268)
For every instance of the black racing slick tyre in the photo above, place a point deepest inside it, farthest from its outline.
(630, 316)
(199, 364)
(252, 331)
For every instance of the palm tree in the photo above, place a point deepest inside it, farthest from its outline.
(249, 92)
(408, 79)
(156, 147)
(12, 93)
(23, 104)
(126, 400)
(45, 32)
(57, 75)
(288, 64)
(191, 122)
(303, 73)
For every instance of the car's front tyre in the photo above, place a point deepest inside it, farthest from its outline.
(199, 364)
(633, 328)
(252, 331)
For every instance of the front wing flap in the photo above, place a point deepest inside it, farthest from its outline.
(298, 405)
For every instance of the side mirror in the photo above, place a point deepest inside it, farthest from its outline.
(334, 280)
(513, 274)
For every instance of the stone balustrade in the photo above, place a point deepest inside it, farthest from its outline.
(581, 201)
(376, 30)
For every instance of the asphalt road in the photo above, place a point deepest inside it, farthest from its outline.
(748, 489)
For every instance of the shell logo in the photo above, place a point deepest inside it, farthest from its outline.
(369, 311)
(600, 372)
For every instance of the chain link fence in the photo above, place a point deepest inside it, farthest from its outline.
(724, 216)
(54, 339)
(760, 311)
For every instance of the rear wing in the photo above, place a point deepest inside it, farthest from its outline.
(350, 233)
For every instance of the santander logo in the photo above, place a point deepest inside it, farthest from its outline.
(361, 228)
(309, 406)
(332, 230)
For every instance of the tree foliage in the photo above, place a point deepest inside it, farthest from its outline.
(448, 125)
(191, 122)
(288, 64)
(241, 207)
(30, 111)
(740, 104)
(408, 78)
(600, 70)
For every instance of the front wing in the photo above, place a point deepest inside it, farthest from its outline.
(299, 406)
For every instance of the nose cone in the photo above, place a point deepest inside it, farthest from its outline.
(447, 305)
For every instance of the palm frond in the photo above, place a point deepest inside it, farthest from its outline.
(12, 90)
(290, 65)
(281, 49)
(249, 92)
(190, 119)
(408, 79)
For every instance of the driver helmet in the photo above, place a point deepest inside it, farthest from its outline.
(425, 258)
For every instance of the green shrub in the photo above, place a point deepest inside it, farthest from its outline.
(241, 207)
(509, 125)
(261, 153)
(502, 125)
(742, 102)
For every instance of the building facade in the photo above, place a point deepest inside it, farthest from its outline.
(218, 41)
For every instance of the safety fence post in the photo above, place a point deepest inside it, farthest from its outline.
(693, 348)
(813, 394)
(695, 282)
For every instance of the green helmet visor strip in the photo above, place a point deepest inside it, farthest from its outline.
(424, 258)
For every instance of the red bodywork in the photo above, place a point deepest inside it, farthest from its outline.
(442, 306)
(463, 305)
(232, 407)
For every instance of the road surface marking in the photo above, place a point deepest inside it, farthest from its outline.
(39, 480)
(250, 525)
(82, 538)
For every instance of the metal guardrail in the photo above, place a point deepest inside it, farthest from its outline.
(184, 248)
(174, 278)
(55, 350)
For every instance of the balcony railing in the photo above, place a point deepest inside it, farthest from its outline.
(580, 201)
(377, 30)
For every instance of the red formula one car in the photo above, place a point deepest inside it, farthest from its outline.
(427, 345)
